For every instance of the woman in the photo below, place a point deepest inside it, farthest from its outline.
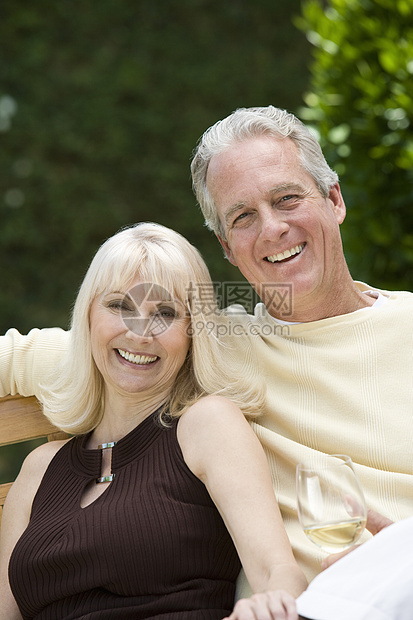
(149, 509)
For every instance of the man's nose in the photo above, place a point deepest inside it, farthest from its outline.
(274, 224)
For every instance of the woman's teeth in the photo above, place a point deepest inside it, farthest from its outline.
(136, 359)
(276, 258)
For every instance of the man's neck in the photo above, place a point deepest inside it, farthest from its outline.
(353, 300)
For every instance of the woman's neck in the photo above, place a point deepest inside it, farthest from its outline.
(122, 415)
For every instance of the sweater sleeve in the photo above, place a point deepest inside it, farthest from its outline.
(27, 361)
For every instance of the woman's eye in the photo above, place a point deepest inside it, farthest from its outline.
(167, 313)
(121, 305)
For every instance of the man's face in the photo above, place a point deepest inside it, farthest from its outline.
(278, 227)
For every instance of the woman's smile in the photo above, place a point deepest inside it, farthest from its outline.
(137, 358)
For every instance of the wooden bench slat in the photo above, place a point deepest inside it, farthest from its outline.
(21, 419)
(4, 489)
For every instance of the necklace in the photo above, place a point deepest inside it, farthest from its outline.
(106, 462)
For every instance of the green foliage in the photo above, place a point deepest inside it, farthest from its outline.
(11, 458)
(361, 103)
(101, 105)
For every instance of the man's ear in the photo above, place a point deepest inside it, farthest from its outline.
(227, 250)
(337, 203)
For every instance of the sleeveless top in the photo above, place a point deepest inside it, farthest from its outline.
(153, 545)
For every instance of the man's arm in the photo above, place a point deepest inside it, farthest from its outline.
(27, 361)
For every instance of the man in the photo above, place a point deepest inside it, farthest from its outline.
(336, 354)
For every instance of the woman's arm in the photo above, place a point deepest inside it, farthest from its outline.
(221, 449)
(16, 515)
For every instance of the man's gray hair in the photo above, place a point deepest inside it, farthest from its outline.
(247, 123)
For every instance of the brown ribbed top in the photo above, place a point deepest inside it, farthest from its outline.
(153, 545)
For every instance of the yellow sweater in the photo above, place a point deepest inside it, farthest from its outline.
(338, 385)
(342, 385)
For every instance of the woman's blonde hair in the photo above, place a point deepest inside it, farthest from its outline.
(154, 254)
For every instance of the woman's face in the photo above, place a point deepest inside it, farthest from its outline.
(139, 338)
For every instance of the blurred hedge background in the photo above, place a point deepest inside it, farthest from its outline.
(102, 103)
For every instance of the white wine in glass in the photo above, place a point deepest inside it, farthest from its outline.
(330, 502)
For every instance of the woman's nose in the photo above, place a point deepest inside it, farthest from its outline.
(139, 327)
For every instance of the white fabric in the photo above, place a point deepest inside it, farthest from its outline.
(373, 582)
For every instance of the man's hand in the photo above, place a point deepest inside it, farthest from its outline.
(277, 605)
(375, 523)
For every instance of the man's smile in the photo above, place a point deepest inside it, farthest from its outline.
(281, 256)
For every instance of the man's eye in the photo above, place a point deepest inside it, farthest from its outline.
(288, 198)
(239, 218)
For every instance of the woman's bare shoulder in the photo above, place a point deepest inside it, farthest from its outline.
(213, 410)
(20, 497)
(37, 461)
(211, 426)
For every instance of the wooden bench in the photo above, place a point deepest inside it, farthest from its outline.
(21, 419)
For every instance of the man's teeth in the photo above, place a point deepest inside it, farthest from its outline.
(275, 258)
(137, 359)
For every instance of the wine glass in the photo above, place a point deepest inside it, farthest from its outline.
(331, 506)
